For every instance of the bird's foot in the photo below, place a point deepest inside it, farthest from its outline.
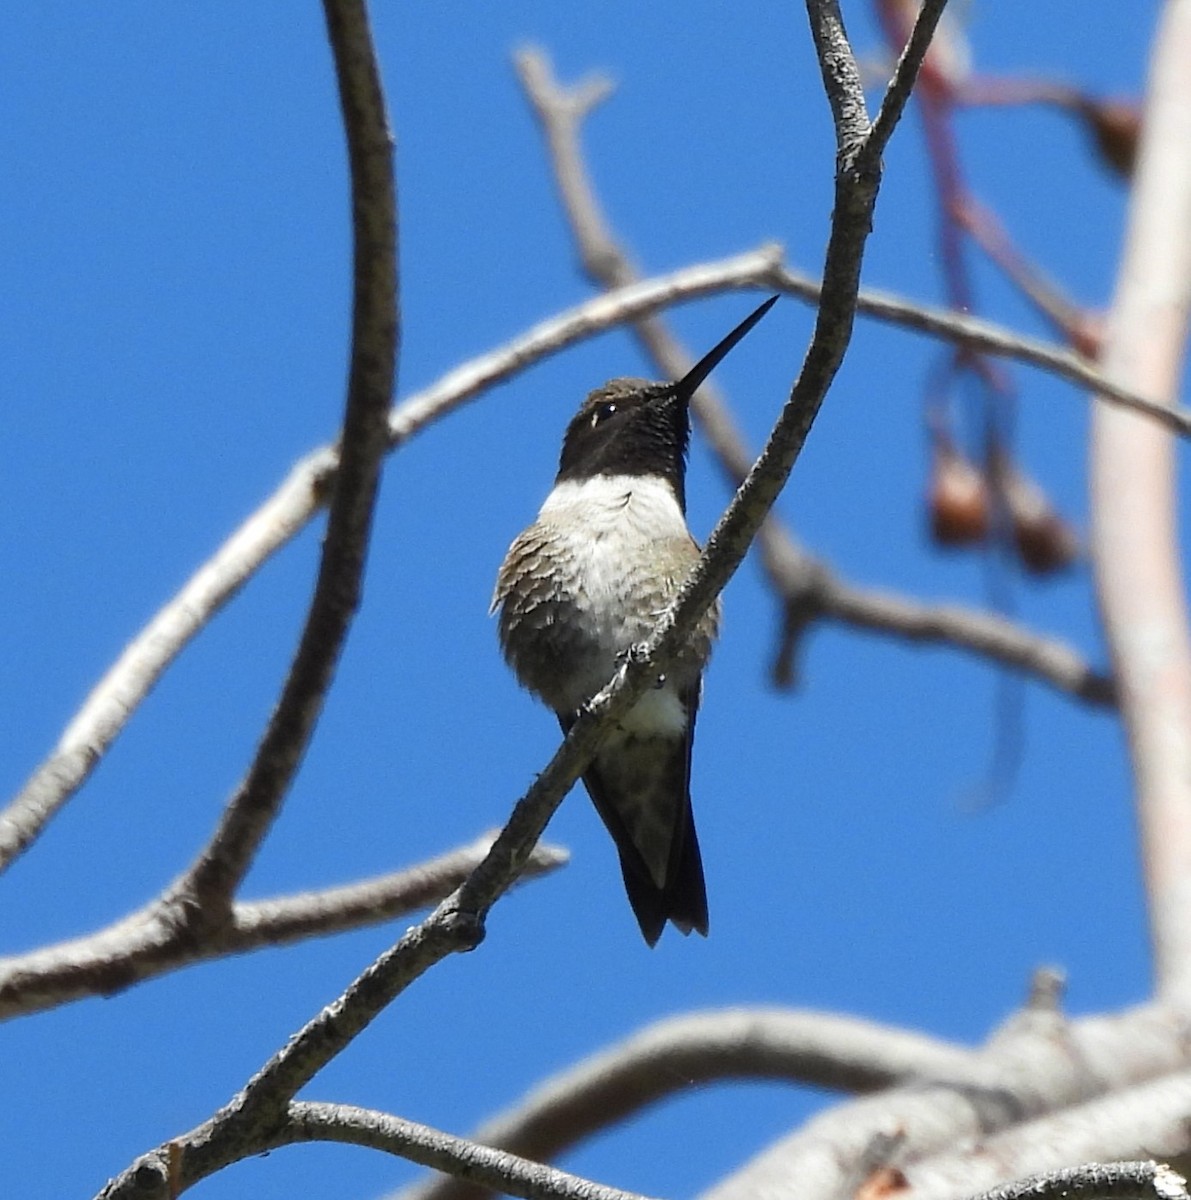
(638, 652)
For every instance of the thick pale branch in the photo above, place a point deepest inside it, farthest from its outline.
(1135, 544)
(1037, 1067)
(1148, 1119)
(1097, 1181)
(818, 1049)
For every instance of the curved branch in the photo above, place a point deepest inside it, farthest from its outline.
(808, 588)
(220, 868)
(164, 1173)
(491, 1169)
(675, 1055)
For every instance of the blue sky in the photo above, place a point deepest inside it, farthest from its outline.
(174, 234)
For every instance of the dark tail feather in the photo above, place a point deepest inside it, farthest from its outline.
(684, 898)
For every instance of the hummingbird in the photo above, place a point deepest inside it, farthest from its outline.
(588, 581)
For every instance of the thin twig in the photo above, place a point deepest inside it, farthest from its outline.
(148, 943)
(492, 1169)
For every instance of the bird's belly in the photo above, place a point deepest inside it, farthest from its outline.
(610, 600)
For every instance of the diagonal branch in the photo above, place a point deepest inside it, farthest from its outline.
(808, 588)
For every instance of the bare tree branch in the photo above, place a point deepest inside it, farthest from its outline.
(1134, 504)
(1097, 1181)
(493, 1169)
(755, 269)
(986, 634)
(215, 876)
(978, 334)
(148, 943)
(809, 589)
(1037, 1066)
(1148, 1119)
(370, 901)
(160, 1174)
(819, 1049)
(130, 679)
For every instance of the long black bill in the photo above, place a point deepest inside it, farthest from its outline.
(686, 387)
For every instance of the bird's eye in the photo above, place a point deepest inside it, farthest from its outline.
(602, 413)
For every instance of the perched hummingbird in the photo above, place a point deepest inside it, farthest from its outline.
(586, 582)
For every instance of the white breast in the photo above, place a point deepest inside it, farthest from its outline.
(611, 503)
(615, 526)
(619, 533)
